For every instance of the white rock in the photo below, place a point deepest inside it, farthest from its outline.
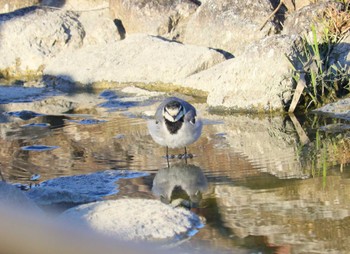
(134, 219)
(258, 79)
(41, 35)
(229, 25)
(340, 109)
(99, 27)
(138, 58)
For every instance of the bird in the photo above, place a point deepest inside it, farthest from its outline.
(175, 125)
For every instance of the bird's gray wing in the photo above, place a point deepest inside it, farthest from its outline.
(190, 116)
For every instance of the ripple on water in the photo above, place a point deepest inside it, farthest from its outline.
(88, 121)
(39, 125)
(23, 114)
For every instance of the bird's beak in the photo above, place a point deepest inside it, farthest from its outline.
(170, 114)
(179, 115)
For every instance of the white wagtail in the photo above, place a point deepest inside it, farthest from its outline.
(175, 124)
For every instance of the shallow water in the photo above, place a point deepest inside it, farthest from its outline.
(269, 184)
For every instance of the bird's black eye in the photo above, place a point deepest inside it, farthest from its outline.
(193, 121)
(157, 122)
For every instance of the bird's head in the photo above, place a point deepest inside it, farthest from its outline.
(173, 111)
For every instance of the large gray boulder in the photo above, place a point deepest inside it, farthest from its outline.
(42, 34)
(45, 32)
(99, 27)
(257, 80)
(300, 21)
(94, 17)
(159, 17)
(138, 58)
(216, 24)
(229, 24)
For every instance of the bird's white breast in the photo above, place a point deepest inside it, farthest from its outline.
(187, 134)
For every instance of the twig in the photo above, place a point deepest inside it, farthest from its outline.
(272, 14)
(298, 91)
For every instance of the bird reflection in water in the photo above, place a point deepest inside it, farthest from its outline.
(180, 185)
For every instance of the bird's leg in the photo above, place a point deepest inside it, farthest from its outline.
(185, 154)
(167, 156)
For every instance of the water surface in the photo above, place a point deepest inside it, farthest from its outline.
(271, 184)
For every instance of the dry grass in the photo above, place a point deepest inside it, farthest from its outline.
(337, 19)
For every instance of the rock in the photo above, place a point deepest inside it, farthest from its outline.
(153, 17)
(51, 106)
(339, 109)
(135, 220)
(216, 24)
(94, 17)
(229, 25)
(99, 27)
(293, 5)
(44, 33)
(301, 3)
(138, 58)
(46, 101)
(257, 80)
(300, 21)
(340, 55)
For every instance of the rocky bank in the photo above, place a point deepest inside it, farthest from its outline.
(230, 50)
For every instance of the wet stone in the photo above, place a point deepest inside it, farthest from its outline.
(108, 94)
(135, 219)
